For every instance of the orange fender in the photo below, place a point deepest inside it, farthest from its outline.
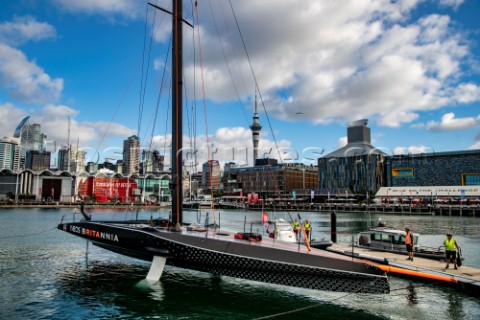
(420, 274)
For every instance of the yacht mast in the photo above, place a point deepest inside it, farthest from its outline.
(177, 143)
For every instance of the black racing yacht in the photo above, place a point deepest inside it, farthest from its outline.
(215, 251)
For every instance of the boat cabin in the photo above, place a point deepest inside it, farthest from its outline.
(385, 238)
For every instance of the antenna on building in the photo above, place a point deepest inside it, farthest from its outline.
(68, 130)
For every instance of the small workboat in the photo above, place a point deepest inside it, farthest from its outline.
(389, 239)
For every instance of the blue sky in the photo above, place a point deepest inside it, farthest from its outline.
(411, 67)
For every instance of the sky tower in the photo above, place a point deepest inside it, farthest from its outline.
(255, 127)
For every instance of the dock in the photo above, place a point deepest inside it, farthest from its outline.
(465, 279)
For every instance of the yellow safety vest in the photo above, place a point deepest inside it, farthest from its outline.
(450, 244)
(296, 225)
(307, 226)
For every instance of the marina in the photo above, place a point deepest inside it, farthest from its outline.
(270, 219)
(66, 281)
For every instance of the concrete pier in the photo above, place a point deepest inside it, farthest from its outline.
(467, 278)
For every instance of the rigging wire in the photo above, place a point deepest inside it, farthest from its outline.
(160, 93)
(226, 60)
(143, 80)
(28, 235)
(206, 118)
(256, 82)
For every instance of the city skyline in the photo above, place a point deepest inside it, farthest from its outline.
(411, 68)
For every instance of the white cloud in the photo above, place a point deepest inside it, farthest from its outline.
(54, 123)
(230, 145)
(476, 145)
(10, 117)
(338, 61)
(126, 8)
(450, 123)
(467, 92)
(342, 142)
(412, 150)
(25, 80)
(451, 3)
(24, 29)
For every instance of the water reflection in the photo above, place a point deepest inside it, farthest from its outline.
(153, 288)
(411, 295)
(455, 306)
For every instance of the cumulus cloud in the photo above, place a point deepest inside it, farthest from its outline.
(23, 29)
(451, 3)
(55, 125)
(338, 61)
(342, 142)
(10, 117)
(412, 150)
(231, 145)
(450, 123)
(25, 80)
(476, 145)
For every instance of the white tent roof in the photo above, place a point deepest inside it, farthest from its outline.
(436, 191)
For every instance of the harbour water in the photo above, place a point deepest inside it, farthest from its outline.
(47, 274)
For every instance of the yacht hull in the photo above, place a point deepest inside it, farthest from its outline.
(220, 254)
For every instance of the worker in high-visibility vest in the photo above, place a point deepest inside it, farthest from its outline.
(296, 227)
(451, 247)
(308, 228)
(409, 243)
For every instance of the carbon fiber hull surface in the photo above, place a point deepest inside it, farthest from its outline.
(220, 254)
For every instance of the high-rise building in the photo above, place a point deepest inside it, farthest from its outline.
(37, 160)
(131, 155)
(76, 159)
(152, 161)
(255, 127)
(211, 175)
(9, 154)
(63, 158)
(30, 138)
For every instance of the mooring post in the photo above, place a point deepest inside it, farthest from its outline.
(333, 224)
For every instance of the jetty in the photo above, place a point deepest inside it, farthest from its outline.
(465, 278)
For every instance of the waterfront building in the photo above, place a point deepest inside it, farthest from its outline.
(455, 168)
(131, 155)
(291, 180)
(355, 169)
(9, 154)
(229, 179)
(432, 178)
(41, 186)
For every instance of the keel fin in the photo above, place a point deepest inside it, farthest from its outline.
(156, 268)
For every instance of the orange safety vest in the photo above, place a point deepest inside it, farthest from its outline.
(408, 238)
